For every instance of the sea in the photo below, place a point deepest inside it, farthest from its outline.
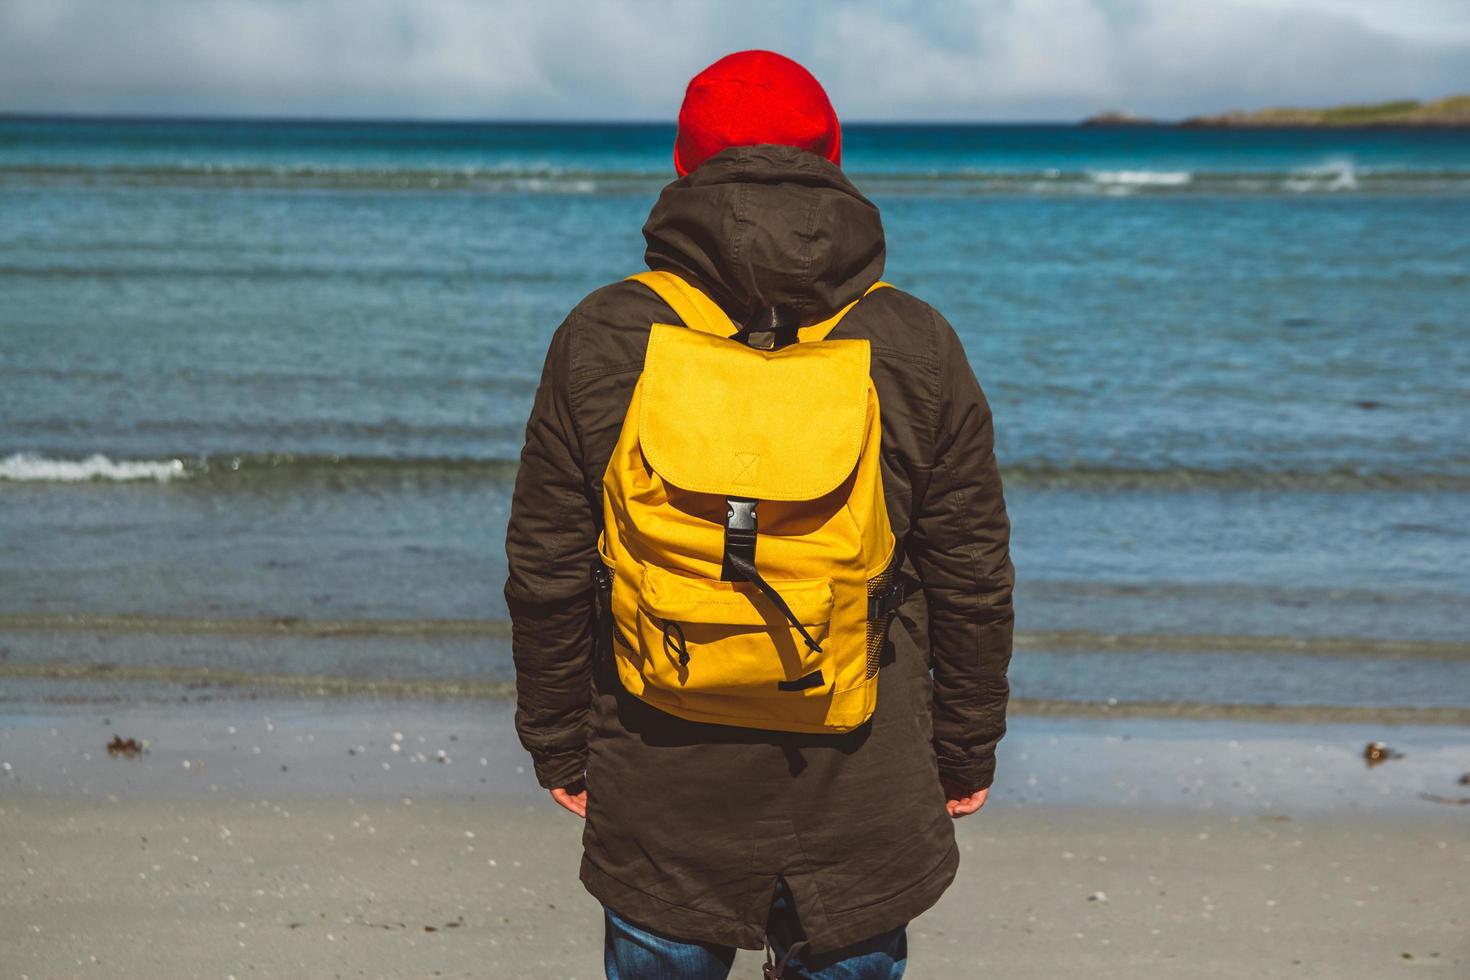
(263, 386)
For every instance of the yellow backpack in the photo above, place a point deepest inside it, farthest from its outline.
(751, 567)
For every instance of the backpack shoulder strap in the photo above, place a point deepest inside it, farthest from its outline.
(697, 310)
(701, 313)
(819, 331)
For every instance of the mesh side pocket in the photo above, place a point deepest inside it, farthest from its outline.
(878, 628)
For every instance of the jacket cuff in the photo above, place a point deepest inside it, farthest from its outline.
(974, 775)
(561, 770)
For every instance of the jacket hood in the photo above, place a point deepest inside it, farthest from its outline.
(768, 226)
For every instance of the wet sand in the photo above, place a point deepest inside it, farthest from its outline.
(1113, 848)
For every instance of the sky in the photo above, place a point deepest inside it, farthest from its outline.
(888, 60)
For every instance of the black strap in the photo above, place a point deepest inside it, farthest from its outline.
(605, 618)
(602, 579)
(603, 582)
(740, 530)
(814, 679)
(751, 575)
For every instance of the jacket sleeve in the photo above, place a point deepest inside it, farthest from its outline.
(960, 546)
(551, 541)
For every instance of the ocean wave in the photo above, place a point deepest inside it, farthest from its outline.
(531, 179)
(265, 625)
(1086, 641)
(31, 468)
(243, 468)
(1064, 641)
(104, 684)
(1339, 175)
(100, 684)
(1143, 178)
(1333, 176)
(1043, 475)
(349, 470)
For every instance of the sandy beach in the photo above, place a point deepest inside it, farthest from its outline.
(290, 838)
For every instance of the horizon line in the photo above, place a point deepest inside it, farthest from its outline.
(166, 117)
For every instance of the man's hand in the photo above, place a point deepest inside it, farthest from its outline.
(573, 798)
(960, 802)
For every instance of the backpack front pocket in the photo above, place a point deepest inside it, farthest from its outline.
(719, 637)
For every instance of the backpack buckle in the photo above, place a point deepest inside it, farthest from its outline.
(741, 526)
(601, 579)
(770, 328)
(885, 603)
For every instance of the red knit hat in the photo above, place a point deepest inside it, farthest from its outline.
(754, 97)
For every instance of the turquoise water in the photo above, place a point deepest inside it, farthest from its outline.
(263, 370)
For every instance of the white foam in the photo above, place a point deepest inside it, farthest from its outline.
(540, 185)
(1143, 178)
(28, 467)
(1338, 175)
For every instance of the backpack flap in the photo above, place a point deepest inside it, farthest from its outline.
(719, 417)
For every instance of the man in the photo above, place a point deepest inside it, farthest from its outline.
(700, 838)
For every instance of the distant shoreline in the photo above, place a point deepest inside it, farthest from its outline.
(1450, 112)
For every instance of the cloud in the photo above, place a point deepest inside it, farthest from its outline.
(885, 59)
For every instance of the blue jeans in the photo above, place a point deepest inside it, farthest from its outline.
(633, 953)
